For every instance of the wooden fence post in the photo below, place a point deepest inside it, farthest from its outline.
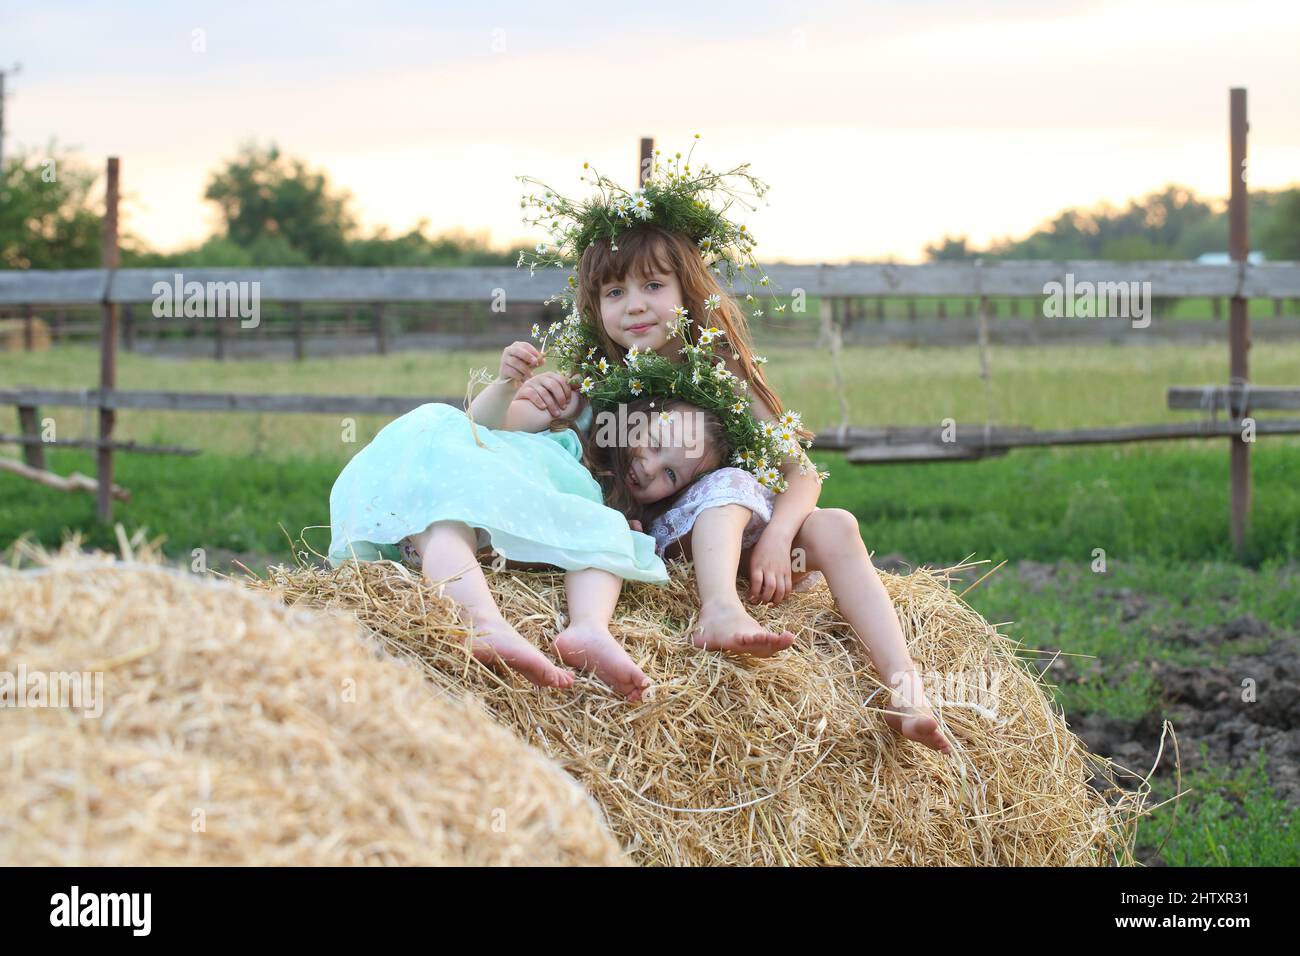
(128, 327)
(381, 329)
(29, 330)
(295, 309)
(108, 351)
(645, 160)
(28, 424)
(218, 338)
(1239, 318)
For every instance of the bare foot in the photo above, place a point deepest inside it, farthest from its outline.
(496, 641)
(728, 627)
(916, 722)
(590, 647)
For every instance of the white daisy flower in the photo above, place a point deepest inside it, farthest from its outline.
(537, 331)
(602, 365)
(586, 386)
(635, 386)
(640, 204)
(713, 302)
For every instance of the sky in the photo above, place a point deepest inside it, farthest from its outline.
(879, 126)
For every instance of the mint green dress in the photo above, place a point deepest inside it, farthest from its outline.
(529, 494)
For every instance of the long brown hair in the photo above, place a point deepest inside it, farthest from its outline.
(609, 465)
(647, 248)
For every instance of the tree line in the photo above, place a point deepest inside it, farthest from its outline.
(274, 210)
(1170, 223)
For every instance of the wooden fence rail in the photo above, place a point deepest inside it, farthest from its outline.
(1272, 280)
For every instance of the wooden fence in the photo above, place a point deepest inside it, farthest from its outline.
(298, 329)
(833, 286)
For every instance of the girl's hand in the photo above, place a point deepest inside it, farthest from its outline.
(770, 573)
(549, 392)
(518, 361)
(634, 524)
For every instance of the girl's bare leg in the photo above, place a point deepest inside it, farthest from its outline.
(724, 623)
(447, 550)
(833, 544)
(587, 643)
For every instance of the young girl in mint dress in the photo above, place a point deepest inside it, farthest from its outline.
(434, 489)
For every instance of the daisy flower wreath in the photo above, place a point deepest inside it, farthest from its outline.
(696, 205)
(704, 380)
(693, 203)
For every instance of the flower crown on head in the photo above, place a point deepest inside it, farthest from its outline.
(701, 379)
(693, 203)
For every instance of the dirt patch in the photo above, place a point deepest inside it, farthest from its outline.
(1230, 710)
(1245, 700)
(1234, 709)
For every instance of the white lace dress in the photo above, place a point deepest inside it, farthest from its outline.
(723, 486)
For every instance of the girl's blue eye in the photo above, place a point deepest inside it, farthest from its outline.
(656, 283)
(612, 291)
(672, 475)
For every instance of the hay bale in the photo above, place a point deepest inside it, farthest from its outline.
(14, 335)
(778, 760)
(236, 731)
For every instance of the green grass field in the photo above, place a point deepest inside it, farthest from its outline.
(1038, 387)
(1159, 511)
